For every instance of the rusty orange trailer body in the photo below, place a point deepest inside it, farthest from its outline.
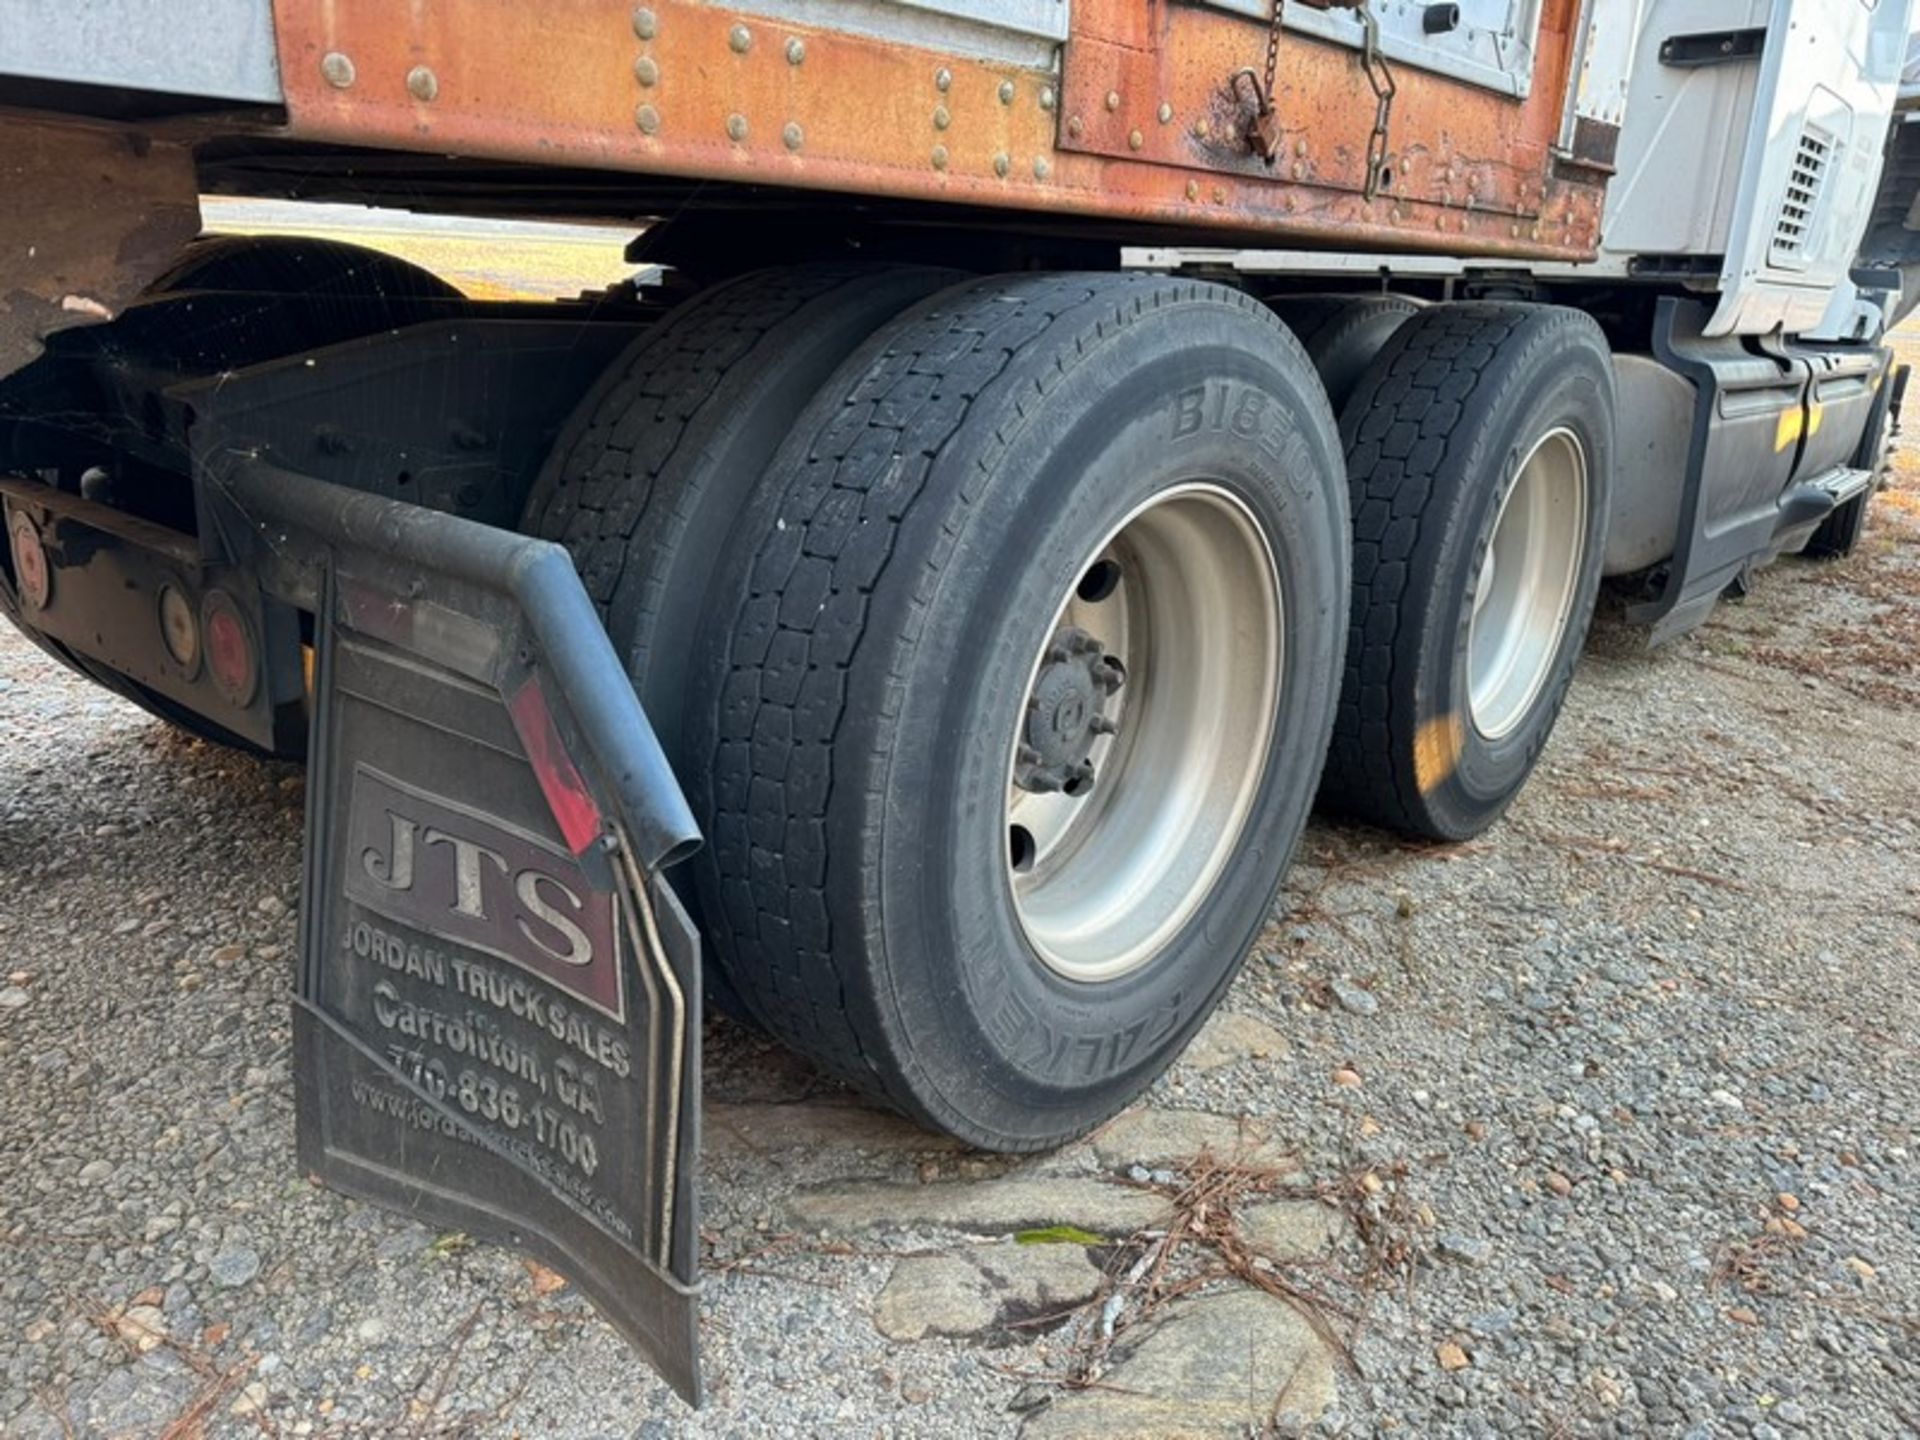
(1143, 120)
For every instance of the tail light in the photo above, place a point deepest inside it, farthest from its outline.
(231, 655)
(30, 568)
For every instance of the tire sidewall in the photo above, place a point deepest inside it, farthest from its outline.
(1041, 1056)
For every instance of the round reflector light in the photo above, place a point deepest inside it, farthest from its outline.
(180, 629)
(229, 644)
(30, 568)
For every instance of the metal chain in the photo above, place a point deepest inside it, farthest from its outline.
(1263, 135)
(1374, 64)
(1273, 47)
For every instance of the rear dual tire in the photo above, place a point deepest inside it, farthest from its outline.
(943, 496)
(993, 481)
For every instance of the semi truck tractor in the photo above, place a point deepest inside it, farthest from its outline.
(1046, 449)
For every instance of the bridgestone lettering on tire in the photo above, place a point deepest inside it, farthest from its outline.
(895, 576)
(1474, 420)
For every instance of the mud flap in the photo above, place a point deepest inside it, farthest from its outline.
(497, 1020)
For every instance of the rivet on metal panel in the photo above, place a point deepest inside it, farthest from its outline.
(645, 23)
(1299, 170)
(1041, 169)
(942, 80)
(1219, 195)
(1001, 165)
(1113, 99)
(737, 128)
(336, 69)
(648, 119)
(739, 39)
(647, 70)
(1300, 148)
(941, 119)
(796, 50)
(939, 157)
(422, 83)
(1076, 127)
(1006, 92)
(1165, 112)
(1046, 97)
(1135, 139)
(1514, 231)
(1193, 189)
(1201, 129)
(792, 136)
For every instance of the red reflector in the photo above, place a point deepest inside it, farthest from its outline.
(30, 564)
(574, 808)
(229, 648)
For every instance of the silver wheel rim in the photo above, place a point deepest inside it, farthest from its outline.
(1522, 593)
(1184, 595)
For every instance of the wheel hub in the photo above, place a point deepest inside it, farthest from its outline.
(1160, 670)
(1066, 710)
(1522, 596)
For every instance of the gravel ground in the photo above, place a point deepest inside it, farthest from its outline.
(1603, 1124)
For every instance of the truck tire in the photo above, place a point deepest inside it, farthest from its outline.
(650, 472)
(1479, 455)
(1839, 534)
(1343, 333)
(1028, 648)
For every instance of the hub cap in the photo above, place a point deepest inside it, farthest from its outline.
(1523, 593)
(1144, 732)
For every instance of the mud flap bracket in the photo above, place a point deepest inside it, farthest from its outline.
(497, 1013)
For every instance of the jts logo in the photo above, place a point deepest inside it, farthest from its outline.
(474, 880)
